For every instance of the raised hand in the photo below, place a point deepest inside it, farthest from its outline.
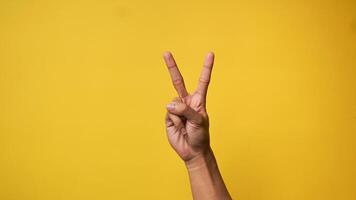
(187, 125)
(187, 121)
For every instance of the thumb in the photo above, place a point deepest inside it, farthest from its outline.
(183, 110)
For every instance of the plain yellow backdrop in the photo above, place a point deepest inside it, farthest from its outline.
(83, 90)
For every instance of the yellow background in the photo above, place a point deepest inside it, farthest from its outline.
(83, 89)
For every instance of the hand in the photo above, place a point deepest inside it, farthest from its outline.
(187, 121)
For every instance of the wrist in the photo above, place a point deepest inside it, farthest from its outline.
(203, 159)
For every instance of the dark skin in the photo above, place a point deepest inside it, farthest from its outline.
(190, 137)
(187, 125)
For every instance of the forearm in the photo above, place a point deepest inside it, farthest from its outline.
(205, 179)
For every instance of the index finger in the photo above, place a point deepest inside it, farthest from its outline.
(204, 79)
(176, 77)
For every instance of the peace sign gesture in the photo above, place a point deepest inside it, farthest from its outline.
(187, 122)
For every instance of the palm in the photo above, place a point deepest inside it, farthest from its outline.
(188, 138)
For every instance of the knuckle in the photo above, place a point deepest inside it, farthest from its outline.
(204, 81)
(170, 66)
(178, 81)
(208, 67)
(204, 119)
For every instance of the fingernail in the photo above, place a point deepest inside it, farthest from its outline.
(170, 106)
